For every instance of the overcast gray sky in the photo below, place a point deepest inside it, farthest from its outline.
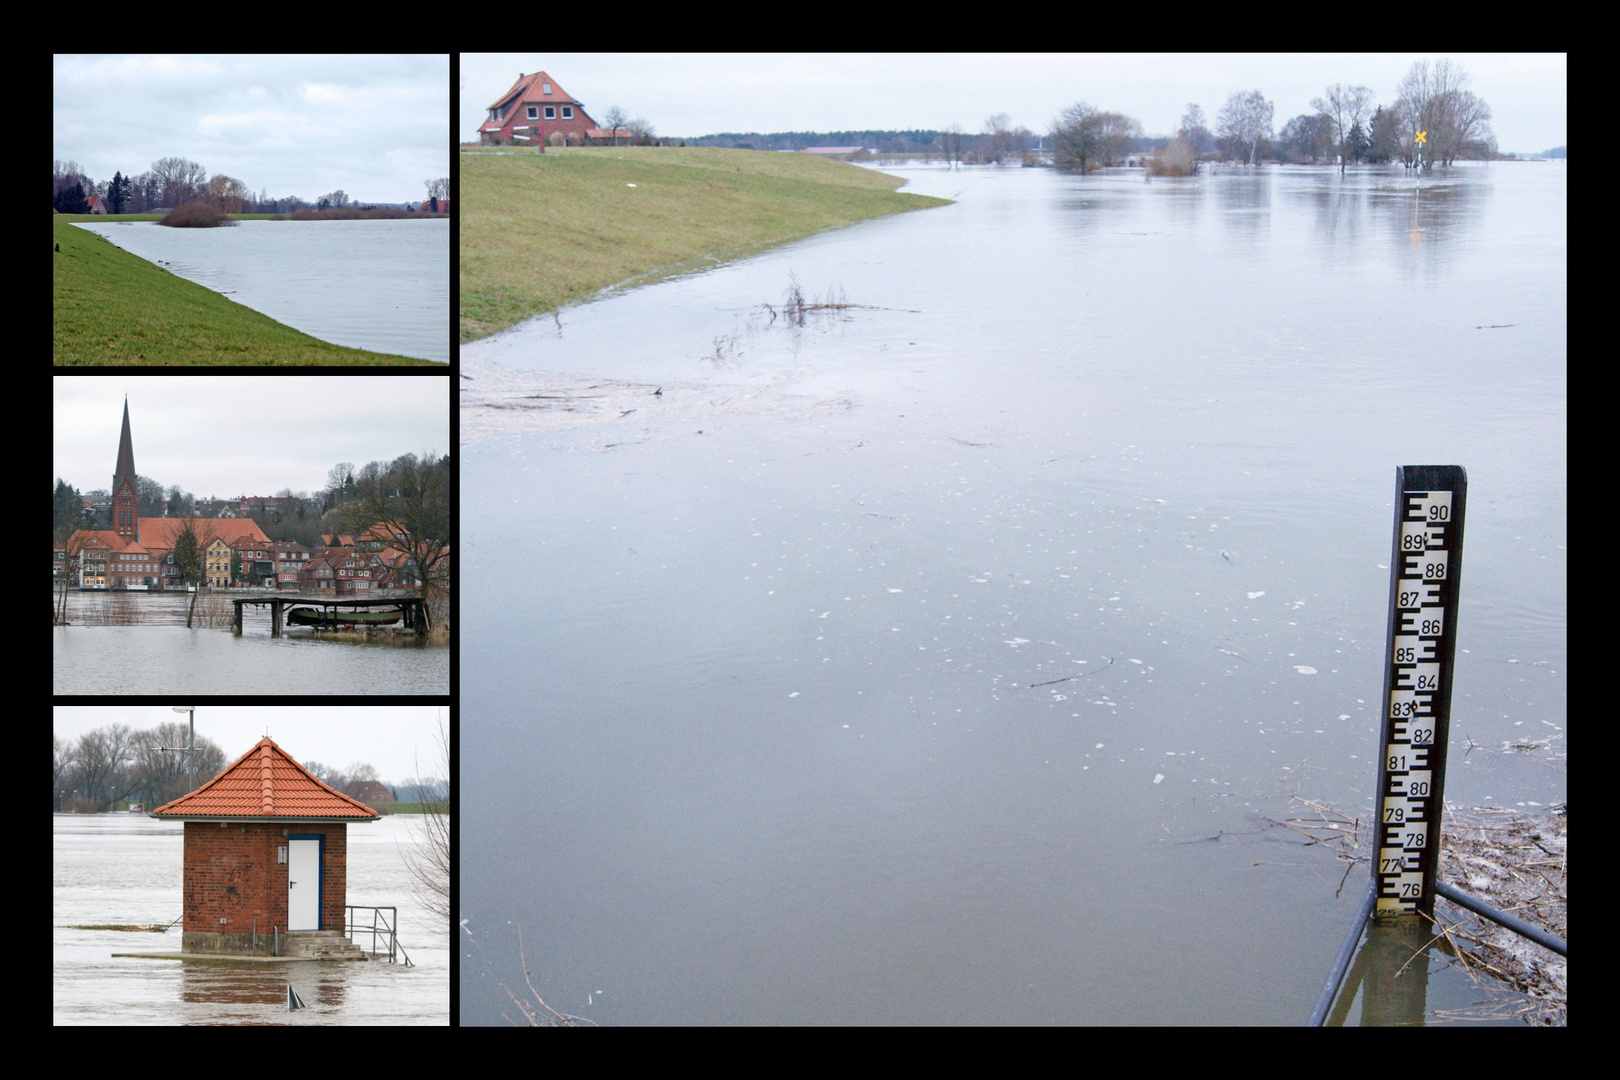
(372, 126)
(705, 94)
(394, 739)
(230, 435)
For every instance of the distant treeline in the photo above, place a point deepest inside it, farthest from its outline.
(348, 212)
(885, 142)
(172, 182)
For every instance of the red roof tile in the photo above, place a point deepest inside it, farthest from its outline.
(265, 783)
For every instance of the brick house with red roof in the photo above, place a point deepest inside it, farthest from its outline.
(266, 852)
(531, 111)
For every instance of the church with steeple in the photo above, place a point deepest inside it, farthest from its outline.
(138, 552)
(123, 489)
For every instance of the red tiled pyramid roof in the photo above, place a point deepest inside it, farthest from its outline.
(266, 783)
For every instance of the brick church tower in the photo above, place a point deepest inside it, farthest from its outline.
(125, 522)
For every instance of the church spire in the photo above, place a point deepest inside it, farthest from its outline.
(125, 523)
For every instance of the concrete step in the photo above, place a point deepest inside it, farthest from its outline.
(321, 945)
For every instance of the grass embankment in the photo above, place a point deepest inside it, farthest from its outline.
(111, 307)
(542, 230)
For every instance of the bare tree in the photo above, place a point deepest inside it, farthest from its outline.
(438, 190)
(190, 552)
(616, 119)
(1195, 132)
(1434, 99)
(1345, 107)
(1245, 119)
(409, 502)
(641, 132)
(999, 138)
(1086, 137)
(179, 180)
(430, 861)
(228, 193)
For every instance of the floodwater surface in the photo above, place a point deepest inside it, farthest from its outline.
(144, 647)
(956, 652)
(125, 870)
(378, 285)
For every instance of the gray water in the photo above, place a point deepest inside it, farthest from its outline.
(125, 869)
(159, 655)
(770, 729)
(377, 285)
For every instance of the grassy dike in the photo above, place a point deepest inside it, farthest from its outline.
(542, 230)
(111, 307)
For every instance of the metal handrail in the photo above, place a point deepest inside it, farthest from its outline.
(388, 930)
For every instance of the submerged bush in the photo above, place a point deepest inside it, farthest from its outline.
(195, 215)
(1177, 159)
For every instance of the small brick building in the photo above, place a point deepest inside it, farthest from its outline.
(266, 848)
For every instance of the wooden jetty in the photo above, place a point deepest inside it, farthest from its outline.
(411, 608)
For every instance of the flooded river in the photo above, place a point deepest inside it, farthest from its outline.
(379, 285)
(124, 869)
(138, 643)
(949, 653)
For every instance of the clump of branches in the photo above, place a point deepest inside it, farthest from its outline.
(797, 310)
(544, 1015)
(195, 214)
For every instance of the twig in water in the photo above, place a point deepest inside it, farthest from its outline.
(1066, 678)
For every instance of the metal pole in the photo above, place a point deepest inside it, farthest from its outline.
(1341, 963)
(1518, 926)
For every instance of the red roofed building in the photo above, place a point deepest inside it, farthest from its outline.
(266, 852)
(138, 552)
(532, 111)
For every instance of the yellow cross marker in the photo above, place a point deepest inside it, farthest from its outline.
(1420, 136)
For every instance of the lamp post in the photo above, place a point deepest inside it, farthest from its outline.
(191, 742)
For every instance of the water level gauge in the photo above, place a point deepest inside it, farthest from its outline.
(1424, 572)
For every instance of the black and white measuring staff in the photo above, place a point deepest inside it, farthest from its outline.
(1424, 573)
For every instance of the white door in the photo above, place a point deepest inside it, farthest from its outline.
(303, 885)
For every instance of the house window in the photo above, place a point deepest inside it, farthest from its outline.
(533, 113)
(568, 112)
(551, 112)
(545, 88)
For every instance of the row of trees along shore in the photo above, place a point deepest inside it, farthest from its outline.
(1347, 127)
(173, 182)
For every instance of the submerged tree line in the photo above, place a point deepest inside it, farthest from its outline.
(1347, 126)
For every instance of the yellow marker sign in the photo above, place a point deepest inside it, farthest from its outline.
(1420, 136)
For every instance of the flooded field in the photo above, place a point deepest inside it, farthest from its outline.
(378, 285)
(958, 652)
(119, 869)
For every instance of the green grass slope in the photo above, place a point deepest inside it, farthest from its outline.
(542, 230)
(111, 307)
